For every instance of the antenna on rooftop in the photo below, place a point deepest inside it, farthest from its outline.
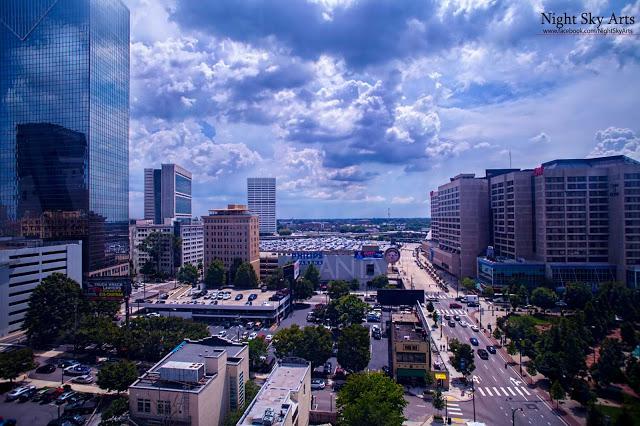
(509, 158)
(388, 213)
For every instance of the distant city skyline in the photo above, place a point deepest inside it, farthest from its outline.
(357, 107)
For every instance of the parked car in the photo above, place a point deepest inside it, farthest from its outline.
(328, 368)
(253, 335)
(253, 296)
(86, 379)
(268, 337)
(46, 369)
(456, 317)
(64, 363)
(475, 328)
(40, 394)
(64, 397)
(222, 333)
(474, 341)
(220, 296)
(317, 384)
(77, 370)
(447, 317)
(463, 324)
(30, 393)
(81, 407)
(17, 392)
(491, 349)
(249, 325)
(226, 296)
(51, 395)
(452, 323)
(455, 306)
(483, 354)
(239, 296)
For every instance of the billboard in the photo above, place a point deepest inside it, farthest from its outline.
(308, 257)
(107, 288)
(291, 271)
(368, 254)
(393, 297)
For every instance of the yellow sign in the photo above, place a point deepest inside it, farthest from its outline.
(441, 376)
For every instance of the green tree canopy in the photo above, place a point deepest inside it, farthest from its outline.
(628, 334)
(577, 295)
(215, 276)
(608, 368)
(311, 343)
(15, 362)
(430, 307)
(302, 289)
(337, 289)
(463, 359)
(346, 310)
(188, 274)
(257, 348)
(371, 399)
(557, 392)
(117, 376)
(312, 274)
(438, 400)
(379, 281)
(245, 276)
(54, 307)
(353, 348)
(468, 283)
(544, 297)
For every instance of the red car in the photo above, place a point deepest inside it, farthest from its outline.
(455, 306)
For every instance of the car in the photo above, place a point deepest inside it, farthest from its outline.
(249, 325)
(463, 324)
(455, 306)
(447, 317)
(81, 407)
(472, 305)
(452, 323)
(317, 384)
(257, 326)
(239, 296)
(248, 303)
(253, 296)
(222, 333)
(86, 379)
(474, 341)
(226, 296)
(459, 298)
(46, 369)
(17, 392)
(328, 368)
(253, 335)
(220, 296)
(64, 397)
(268, 337)
(30, 393)
(264, 288)
(77, 370)
(40, 394)
(491, 349)
(51, 395)
(561, 303)
(432, 299)
(64, 363)
(456, 317)
(483, 354)
(475, 328)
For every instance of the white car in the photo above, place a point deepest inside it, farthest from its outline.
(222, 333)
(475, 328)
(86, 379)
(226, 296)
(253, 335)
(317, 384)
(268, 337)
(463, 324)
(15, 394)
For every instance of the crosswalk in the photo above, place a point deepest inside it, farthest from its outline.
(439, 295)
(460, 312)
(453, 409)
(502, 391)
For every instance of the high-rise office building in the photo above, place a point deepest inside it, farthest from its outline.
(232, 233)
(460, 217)
(64, 126)
(167, 193)
(261, 199)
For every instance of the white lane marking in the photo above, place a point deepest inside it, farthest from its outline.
(526, 391)
(520, 392)
(481, 391)
(489, 392)
(512, 392)
(496, 391)
(494, 379)
(505, 392)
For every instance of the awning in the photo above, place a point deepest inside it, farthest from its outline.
(441, 376)
(409, 372)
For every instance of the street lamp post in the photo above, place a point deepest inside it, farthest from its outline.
(473, 394)
(513, 415)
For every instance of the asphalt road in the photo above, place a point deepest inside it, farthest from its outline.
(498, 390)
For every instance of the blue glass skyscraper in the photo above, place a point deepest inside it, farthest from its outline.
(64, 126)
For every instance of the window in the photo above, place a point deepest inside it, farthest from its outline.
(164, 408)
(144, 405)
(370, 269)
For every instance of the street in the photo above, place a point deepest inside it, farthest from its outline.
(499, 392)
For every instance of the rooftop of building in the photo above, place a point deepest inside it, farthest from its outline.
(183, 296)
(190, 352)
(231, 209)
(407, 327)
(508, 260)
(285, 245)
(589, 162)
(275, 394)
(15, 243)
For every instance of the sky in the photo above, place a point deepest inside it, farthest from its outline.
(359, 108)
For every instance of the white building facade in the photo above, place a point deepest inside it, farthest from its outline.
(261, 199)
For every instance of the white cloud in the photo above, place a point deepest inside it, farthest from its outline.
(402, 200)
(540, 138)
(616, 141)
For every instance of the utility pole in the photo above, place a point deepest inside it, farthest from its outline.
(473, 394)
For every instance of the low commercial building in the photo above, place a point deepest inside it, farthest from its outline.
(285, 397)
(138, 232)
(268, 264)
(191, 235)
(410, 348)
(503, 272)
(198, 383)
(23, 266)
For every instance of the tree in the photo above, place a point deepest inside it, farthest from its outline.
(354, 285)
(250, 392)
(438, 401)
(15, 362)
(231, 276)
(257, 349)
(346, 310)
(581, 392)
(577, 295)
(215, 276)
(628, 334)
(99, 330)
(497, 333)
(379, 281)
(487, 292)
(284, 232)
(117, 376)
(543, 297)
(302, 289)
(557, 392)
(155, 245)
(463, 359)
(435, 317)
(337, 289)
(511, 348)
(245, 276)
(55, 305)
(353, 348)
(117, 408)
(468, 283)
(314, 344)
(276, 280)
(312, 274)
(430, 307)
(371, 399)
(632, 371)
(608, 368)
(188, 274)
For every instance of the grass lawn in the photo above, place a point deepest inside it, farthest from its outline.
(632, 404)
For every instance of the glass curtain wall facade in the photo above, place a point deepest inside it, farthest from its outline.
(64, 125)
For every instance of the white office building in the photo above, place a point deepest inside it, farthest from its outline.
(261, 199)
(167, 193)
(22, 268)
